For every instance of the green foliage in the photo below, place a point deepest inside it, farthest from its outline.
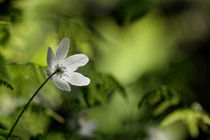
(167, 105)
(38, 137)
(140, 51)
(101, 89)
(177, 75)
(4, 134)
(131, 10)
(9, 11)
(2, 125)
(25, 74)
(6, 84)
(3, 74)
(4, 36)
(161, 100)
(27, 77)
(191, 118)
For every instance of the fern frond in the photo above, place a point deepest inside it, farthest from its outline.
(6, 84)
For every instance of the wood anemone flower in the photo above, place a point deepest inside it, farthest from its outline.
(66, 67)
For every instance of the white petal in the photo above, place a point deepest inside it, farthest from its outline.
(87, 128)
(77, 79)
(49, 72)
(61, 84)
(50, 57)
(62, 50)
(73, 62)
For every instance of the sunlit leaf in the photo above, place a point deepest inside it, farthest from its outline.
(193, 120)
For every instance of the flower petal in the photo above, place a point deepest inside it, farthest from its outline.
(50, 57)
(62, 50)
(73, 62)
(77, 79)
(61, 84)
(49, 72)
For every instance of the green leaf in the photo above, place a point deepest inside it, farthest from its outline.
(191, 118)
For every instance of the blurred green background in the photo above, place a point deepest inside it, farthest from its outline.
(149, 69)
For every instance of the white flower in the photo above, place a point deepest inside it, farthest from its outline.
(66, 67)
(155, 133)
(87, 128)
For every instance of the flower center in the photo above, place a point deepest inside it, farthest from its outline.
(60, 69)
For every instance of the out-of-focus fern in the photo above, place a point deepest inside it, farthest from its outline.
(3, 74)
(193, 119)
(101, 89)
(160, 100)
(167, 105)
(6, 84)
(27, 77)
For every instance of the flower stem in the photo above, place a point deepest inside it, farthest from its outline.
(25, 107)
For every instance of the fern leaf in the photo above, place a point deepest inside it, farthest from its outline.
(6, 84)
(190, 118)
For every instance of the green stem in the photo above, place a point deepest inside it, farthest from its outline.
(25, 107)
